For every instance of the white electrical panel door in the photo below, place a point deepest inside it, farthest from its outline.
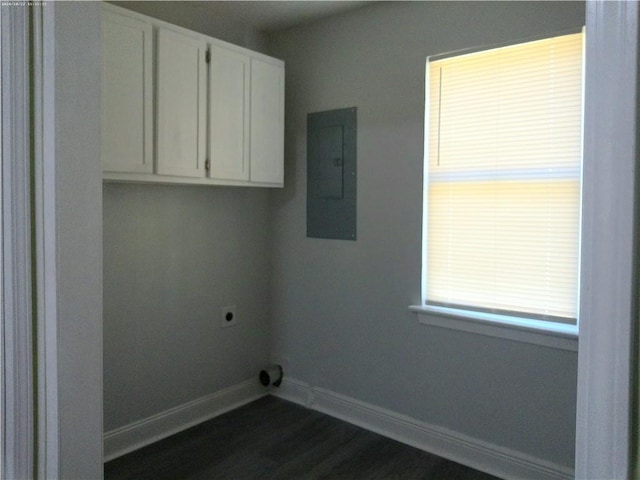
(229, 111)
(126, 94)
(267, 122)
(181, 91)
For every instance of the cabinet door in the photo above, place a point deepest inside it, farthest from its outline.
(181, 104)
(267, 122)
(126, 94)
(229, 114)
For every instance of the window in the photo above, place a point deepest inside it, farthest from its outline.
(503, 181)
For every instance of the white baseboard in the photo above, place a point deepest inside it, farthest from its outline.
(151, 429)
(295, 391)
(493, 459)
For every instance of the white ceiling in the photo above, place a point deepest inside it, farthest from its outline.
(268, 15)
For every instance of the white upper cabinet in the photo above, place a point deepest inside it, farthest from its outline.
(181, 89)
(229, 110)
(267, 121)
(181, 107)
(127, 94)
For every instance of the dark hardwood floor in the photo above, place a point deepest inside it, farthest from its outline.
(275, 439)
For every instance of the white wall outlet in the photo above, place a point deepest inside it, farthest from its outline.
(229, 316)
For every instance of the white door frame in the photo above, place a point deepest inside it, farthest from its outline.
(17, 334)
(67, 181)
(45, 255)
(609, 303)
(27, 239)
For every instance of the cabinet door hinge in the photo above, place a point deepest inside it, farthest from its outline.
(207, 165)
(207, 56)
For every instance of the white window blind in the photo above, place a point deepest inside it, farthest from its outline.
(503, 187)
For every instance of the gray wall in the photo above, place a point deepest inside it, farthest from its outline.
(79, 237)
(174, 256)
(339, 308)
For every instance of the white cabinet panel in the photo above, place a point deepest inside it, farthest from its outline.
(229, 80)
(267, 122)
(229, 111)
(126, 94)
(181, 104)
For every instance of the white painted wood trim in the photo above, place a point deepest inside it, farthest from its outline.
(144, 432)
(173, 180)
(475, 453)
(559, 336)
(3, 412)
(17, 360)
(294, 391)
(45, 240)
(608, 307)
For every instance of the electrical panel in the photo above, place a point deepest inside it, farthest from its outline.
(331, 174)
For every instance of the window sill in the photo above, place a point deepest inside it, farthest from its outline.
(563, 337)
